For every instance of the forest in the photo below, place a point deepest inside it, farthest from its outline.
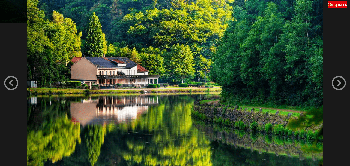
(259, 51)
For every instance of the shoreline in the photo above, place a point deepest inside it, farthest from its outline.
(65, 91)
(254, 121)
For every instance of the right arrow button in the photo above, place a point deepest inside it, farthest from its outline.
(338, 83)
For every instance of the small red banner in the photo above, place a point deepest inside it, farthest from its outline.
(337, 4)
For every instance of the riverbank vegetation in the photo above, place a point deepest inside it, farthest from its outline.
(262, 143)
(307, 124)
(272, 54)
(62, 91)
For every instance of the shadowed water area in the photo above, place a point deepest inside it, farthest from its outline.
(146, 130)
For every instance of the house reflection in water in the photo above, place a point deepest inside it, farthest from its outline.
(110, 109)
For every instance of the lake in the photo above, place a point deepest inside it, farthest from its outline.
(147, 130)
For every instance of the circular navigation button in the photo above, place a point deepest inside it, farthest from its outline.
(338, 83)
(11, 83)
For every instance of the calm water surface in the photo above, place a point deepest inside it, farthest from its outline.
(146, 130)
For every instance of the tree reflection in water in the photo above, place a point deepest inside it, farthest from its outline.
(164, 135)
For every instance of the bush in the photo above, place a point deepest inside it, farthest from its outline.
(303, 134)
(200, 83)
(183, 85)
(254, 126)
(241, 125)
(268, 128)
(165, 85)
(311, 135)
(85, 86)
(158, 85)
(152, 86)
(73, 84)
(278, 129)
(94, 87)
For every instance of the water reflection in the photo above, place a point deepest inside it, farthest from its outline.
(110, 109)
(141, 130)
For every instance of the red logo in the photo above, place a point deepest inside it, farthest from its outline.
(337, 4)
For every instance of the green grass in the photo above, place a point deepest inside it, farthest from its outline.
(271, 110)
(61, 91)
(205, 101)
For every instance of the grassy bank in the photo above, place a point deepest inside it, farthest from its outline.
(60, 91)
(122, 94)
(285, 112)
(286, 123)
(274, 144)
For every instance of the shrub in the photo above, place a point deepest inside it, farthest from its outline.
(236, 125)
(165, 85)
(303, 134)
(268, 128)
(152, 86)
(278, 129)
(94, 87)
(297, 134)
(227, 122)
(200, 84)
(268, 139)
(183, 85)
(74, 84)
(158, 85)
(253, 126)
(289, 132)
(311, 135)
(241, 125)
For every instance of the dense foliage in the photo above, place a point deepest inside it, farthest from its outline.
(272, 53)
(259, 51)
(51, 44)
(144, 30)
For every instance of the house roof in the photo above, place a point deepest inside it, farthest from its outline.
(129, 63)
(76, 59)
(141, 69)
(111, 62)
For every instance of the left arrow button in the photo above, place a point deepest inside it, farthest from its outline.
(11, 83)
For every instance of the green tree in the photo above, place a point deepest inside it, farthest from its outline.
(95, 43)
(43, 59)
(179, 62)
(269, 55)
(152, 60)
(63, 34)
(197, 24)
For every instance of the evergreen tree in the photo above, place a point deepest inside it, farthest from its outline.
(95, 39)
